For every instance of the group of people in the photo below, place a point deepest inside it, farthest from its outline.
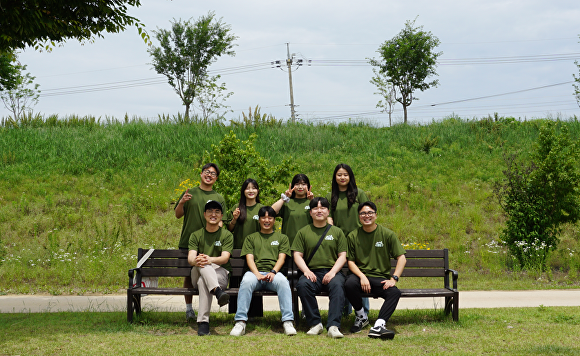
(320, 234)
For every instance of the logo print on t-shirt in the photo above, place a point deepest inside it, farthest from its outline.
(329, 238)
(274, 243)
(379, 244)
(218, 243)
(256, 217)
(307, 207)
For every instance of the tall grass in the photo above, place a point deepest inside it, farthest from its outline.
(96, 190)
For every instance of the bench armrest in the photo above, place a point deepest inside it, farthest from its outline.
(455, 276)
(137, 277)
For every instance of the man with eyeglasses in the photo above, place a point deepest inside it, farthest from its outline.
(320, 253)
(209, 254)
(190, 206)
(370, 249)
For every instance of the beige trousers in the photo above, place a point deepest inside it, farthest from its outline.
(205, 280)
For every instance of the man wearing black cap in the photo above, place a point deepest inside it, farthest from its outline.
(209, 254)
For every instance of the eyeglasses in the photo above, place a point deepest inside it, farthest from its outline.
(364, 214)
(207, 172)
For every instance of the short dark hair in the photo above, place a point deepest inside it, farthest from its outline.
(323, 202)
(370, 204)
(214, 166)
(267, 209)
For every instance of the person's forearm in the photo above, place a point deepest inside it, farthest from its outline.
(340, 261)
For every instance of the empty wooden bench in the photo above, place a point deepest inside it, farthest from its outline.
(173, 263)
(420, 263)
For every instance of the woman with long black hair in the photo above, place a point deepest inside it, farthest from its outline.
(344, 199)
(243, 220)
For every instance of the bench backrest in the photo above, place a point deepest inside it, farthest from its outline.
(173, 263)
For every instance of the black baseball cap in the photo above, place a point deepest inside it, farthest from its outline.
(212, 204)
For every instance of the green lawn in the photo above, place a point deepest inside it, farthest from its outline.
(513, 331)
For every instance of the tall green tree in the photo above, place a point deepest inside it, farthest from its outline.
(36, 22)
(187, 50)
(408, 60)
(541, 195)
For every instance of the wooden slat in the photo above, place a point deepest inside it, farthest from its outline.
(440, 292)
(423, 272)
(166, 272)
(165, 262)
(237, 262)
(425, 254)
(424, 262)
(167, 253)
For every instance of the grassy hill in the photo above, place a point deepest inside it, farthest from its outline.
(78, 196)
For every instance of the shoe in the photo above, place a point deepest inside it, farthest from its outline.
(379, 332)
(190, 315)
(239, 329)
(315, 330)
(222, 297)
(202, 329)
(359, 324)
(334, 333)
(289, 328)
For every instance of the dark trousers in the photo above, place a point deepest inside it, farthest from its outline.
(353, 292)
(307, 291)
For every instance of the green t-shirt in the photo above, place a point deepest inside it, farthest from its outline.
(212, 243)
(325, 257)
(250, 225)
(295, 215)
(193, 218)
(372, 252)
(266, 248)
(343, 217)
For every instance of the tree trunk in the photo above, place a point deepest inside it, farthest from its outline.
(187, 111)
(405, 111)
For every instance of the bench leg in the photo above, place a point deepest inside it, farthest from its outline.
(129, 306)
(456, 307)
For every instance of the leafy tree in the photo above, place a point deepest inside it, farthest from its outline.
(408, 60)
(20, 97)
(387, 92)
(211, 99)
(33, 22)
(8, 71)
(540, 196)
(239, 160)
(186, 51)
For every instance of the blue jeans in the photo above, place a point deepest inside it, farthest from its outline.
(279, 285)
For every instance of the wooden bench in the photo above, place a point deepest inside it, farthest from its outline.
(420, 263)
(173, 263)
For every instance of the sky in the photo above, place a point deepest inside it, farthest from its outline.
(515, 58)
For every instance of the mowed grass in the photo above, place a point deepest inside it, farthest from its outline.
(513, 331)
(77, 198)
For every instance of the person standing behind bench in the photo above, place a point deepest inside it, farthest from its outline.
(190, 206)
(209, 254)
(265, 253)
(370, 249)
(320, 253)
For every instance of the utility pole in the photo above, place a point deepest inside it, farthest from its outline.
(289, 63)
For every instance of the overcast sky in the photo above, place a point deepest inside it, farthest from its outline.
(515, 58)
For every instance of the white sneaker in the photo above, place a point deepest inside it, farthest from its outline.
(334, 333)
(315, 330)
(289, 328)
(239, 329)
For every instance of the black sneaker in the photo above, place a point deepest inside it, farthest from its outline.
(202, 329)
(222, 297)
(359, 324)
(379, 332)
